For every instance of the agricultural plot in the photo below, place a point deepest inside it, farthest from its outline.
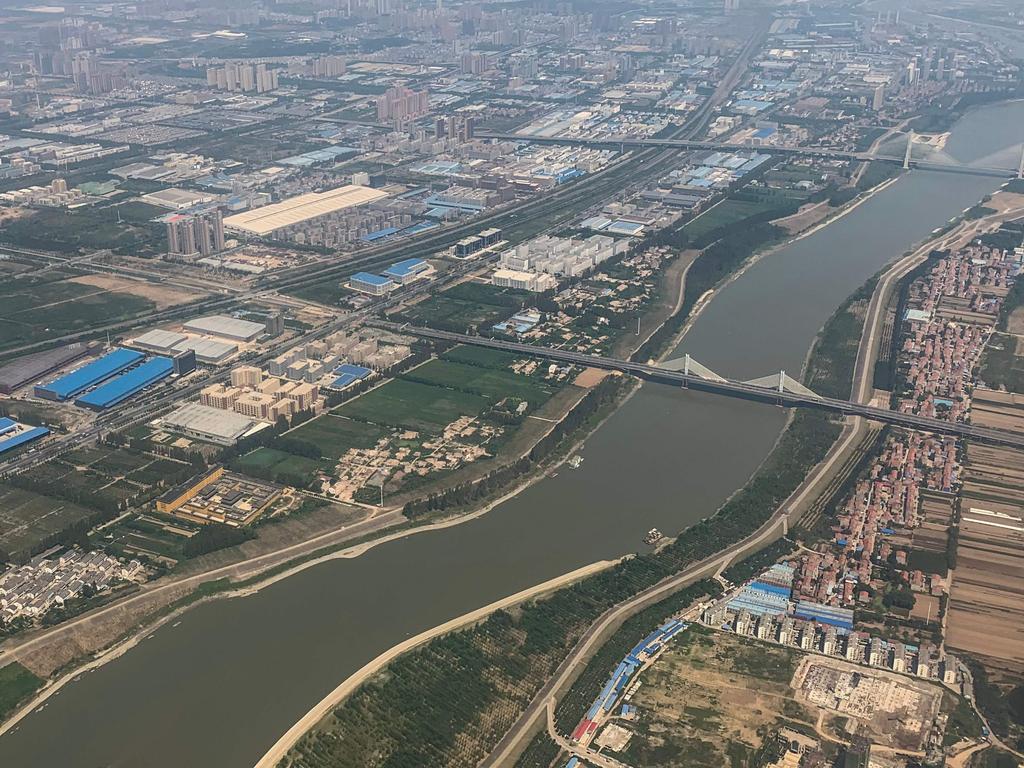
(334, 435)
(149, 536)
(443, 312)
(278, 466)
(412, 405)
(491, 383)
(985, 615)
(27, 519)
(467, 305)
(481, 356)
(32, 310)
(118, 471)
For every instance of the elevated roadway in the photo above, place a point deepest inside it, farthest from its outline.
(727, 387)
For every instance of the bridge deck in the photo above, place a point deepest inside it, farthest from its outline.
(727, 387)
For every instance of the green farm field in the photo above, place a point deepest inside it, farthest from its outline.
(491, 383)
(334, 435)
(412, 405)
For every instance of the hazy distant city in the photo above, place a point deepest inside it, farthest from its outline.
(512, 384)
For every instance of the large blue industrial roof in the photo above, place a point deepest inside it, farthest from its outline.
(92, 373)
(23, 437)
(6, 424)
(356, 371)
(406, 267)
(127, 384)
(370, 279)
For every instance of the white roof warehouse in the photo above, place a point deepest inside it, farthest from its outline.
(296, 210)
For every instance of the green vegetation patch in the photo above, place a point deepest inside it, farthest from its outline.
(17, 684)
(37, 309)
(277, 466)
(1001, 365)
(29, 519)
(489, 383)
(335, 435)
(84, 228)
(481, 356)
(412, 405)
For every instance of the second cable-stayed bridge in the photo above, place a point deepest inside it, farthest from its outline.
(778, 388)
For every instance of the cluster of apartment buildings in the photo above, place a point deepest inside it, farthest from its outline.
(199, 234)
(318, 358)
(235, 76)
(50, 581)
(56, 194)
(400, 105)
(533, 265)
(254, 394)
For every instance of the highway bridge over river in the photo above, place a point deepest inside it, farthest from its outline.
(778, 389)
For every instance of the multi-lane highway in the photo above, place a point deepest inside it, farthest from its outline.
(727, 387)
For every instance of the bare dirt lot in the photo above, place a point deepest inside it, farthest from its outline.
(161, 295)
(883, 707)
(711, 699)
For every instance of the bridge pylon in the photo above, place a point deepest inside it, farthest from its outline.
(781, 382)
(910, 149)
(690, 367)
(1020, 165)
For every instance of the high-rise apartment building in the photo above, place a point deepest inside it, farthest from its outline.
(200, 233)
(400, 104)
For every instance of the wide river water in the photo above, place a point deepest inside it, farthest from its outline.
(216, 690)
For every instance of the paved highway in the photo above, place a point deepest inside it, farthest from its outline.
(727, 387)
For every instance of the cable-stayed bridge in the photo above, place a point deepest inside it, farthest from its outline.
(777, 388)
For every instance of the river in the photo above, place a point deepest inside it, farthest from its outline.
(219, 688)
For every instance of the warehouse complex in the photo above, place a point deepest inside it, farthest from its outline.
(25, 370)
(270, 219)
(127, 384)
(89, 375)
(112, 378)
(212, 425)
(226, 327)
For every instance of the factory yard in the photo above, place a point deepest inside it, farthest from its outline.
(986, 614)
